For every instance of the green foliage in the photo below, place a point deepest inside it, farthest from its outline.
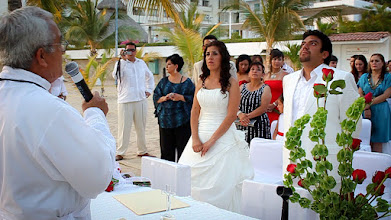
(377, 18)
(86, 25)
(186, 37)
(326, 28)
(276, 20)
(293, 54)
(100, 69)
(328, 203)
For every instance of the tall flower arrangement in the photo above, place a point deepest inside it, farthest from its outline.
(316, 178)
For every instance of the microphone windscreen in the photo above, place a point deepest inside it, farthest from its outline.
(72, 68)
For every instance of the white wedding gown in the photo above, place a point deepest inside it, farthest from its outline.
(217, 177)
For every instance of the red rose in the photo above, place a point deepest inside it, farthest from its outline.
(360, 195)
(300, 183)
(328, 74)
(388, 172)
(380, 190)
(378, 177)
(316, 93)
(368, 98)
(356, 144)
(110, 187)
(359, 175)
(291, 168)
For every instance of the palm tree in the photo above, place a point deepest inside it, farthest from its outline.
(293, 54)
(53, 6)
(163, 8)
(186, 35)
(276, 20)
(326, 28)
(86, 25)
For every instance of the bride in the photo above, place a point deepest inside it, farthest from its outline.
(217, 152)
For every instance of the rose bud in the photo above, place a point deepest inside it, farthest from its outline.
(291, 168)
(380, 190)
(110, 187)
(359, 176)
(328, 74)
(378, 177)
(360, 195)
(316, 93)
(356, 144)
(300, 183)
(388, 172)
(368, 98)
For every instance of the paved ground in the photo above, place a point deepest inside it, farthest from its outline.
(131, 162)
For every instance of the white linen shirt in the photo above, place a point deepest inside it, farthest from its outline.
(303, 90)
(136, 79)
(52, 160)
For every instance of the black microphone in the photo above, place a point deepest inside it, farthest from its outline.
(72, 68)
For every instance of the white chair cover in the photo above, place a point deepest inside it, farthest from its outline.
(266, 158)
(163, 172)
(273, 126)
(260, 200)
(365, 135)
(372, 162)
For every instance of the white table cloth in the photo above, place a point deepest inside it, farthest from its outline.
(105, 207)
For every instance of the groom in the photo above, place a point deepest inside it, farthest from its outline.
(316, 50)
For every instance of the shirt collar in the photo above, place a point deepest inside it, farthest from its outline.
(135, 61)
(315, 72)
(21, 74)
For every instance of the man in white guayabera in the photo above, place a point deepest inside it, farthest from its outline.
(45, 175)
(135, 85)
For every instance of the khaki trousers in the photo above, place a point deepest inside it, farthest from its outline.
(127, 114)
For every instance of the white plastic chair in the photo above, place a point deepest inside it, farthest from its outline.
(260, 200)
(372, 162)
(273, 126)
(162, 172)
(365, 135)
(266, 159)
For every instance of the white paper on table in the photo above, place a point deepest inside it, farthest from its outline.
(148, 202)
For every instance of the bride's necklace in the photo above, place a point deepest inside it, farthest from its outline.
(371, 82)
(274, 75)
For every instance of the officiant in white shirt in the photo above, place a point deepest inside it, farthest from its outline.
(316, 50)
(53, 161)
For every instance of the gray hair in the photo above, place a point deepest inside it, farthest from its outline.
(22, 33)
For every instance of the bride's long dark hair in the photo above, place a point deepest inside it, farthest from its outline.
(225, 65)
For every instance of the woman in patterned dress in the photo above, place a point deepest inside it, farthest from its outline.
(255, 98)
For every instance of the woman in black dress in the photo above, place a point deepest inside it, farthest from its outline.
(255, 98)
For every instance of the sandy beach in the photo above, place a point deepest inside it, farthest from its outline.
(131, 162)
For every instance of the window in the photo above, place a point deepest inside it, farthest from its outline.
(205, 3)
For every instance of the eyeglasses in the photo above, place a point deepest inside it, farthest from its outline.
(64, 44)
(131, 50)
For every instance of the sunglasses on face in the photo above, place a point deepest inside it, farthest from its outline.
(130, 50)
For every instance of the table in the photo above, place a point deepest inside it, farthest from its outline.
(105, 207)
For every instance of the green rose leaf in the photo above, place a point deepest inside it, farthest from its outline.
(338, 84)
(335, 92)
(382, 205)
